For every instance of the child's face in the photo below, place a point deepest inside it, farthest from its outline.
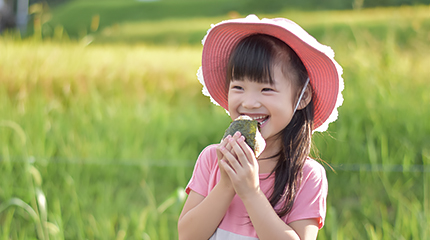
(271, 105)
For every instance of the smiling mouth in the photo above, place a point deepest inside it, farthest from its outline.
(261, 119)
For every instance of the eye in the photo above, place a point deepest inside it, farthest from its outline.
(267, 90)
(236, 87)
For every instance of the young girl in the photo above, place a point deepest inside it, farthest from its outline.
(276, 73)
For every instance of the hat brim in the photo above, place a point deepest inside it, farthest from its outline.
(324, 73)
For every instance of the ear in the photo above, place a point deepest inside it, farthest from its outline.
(306, 98)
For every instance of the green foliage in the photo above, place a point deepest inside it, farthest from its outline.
(76, 16)
(98, 140)
(81, 17)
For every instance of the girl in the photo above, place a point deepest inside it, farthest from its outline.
(275, 72)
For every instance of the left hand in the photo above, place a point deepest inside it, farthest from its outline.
(242, 167)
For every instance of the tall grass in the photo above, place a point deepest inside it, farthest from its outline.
(98, 121)
(98, 141)
(380, 143)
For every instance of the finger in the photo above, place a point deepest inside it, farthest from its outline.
(237, 149)
(249, 153)
(235, 136)
(228, 146)
(227, 167)
(230, 171)
(224, 142)
(223, 158)
(228, 156)
(224, 165)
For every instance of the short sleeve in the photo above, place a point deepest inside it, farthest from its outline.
(311, 198)
(203, 169)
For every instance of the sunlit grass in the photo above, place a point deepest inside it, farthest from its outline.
(173, 31)
(108, 133)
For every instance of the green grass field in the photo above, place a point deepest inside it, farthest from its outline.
(97, 141)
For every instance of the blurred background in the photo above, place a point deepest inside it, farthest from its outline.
(102, 116)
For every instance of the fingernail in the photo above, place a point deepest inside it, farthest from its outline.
(237, 134)
(241, 139)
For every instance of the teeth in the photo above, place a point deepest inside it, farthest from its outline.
(263, 121)
(261, 117)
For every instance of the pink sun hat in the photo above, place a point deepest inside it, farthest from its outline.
(323, 71)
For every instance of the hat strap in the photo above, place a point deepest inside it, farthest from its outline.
(301, 95)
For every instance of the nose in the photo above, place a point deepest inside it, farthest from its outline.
(250, 101)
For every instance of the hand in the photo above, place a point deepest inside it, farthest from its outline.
(225, 179)
(241, 166)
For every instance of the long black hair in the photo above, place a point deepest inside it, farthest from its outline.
(254, 58)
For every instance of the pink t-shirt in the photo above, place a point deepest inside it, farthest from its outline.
(310, 201)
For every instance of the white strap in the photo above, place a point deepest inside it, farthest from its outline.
(301, 95)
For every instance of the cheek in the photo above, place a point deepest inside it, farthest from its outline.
(232, 97)
(231, 102)
(284, 113)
